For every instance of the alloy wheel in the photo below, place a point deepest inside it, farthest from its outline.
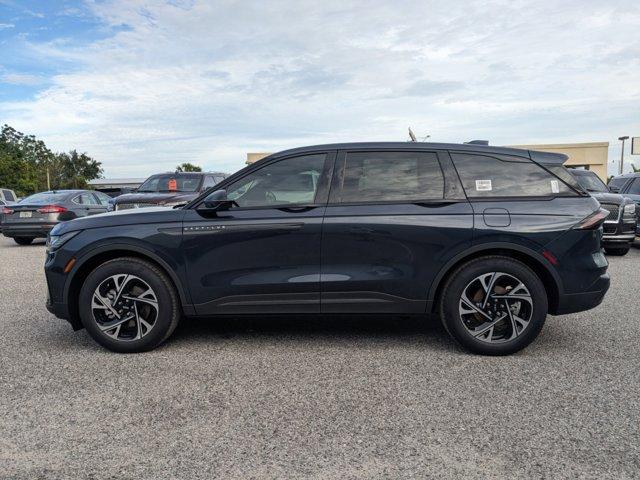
(495, 307)
(124, 307)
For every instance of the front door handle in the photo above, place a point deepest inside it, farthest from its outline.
(298, 209)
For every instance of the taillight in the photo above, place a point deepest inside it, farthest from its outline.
(7, 211)
(52, 209)
(593, 221)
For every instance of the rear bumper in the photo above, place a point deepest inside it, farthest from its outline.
(579, 302)
(40, 230)
(623, 238)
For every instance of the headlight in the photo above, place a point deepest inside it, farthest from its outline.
(54, 242)
(630, 209)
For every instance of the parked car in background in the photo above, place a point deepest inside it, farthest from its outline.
(619, 227)
(168, 190)
(35, 216)
(4, 203)
(628, 186)
(493, 239)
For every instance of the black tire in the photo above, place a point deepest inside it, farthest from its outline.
(168, 305)
(618, 251)
(23, 240)
(460, 280)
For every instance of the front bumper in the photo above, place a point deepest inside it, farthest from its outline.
(39, 230)
(579, 302)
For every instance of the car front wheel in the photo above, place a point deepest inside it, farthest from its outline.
(493, 305)
(23, 240)
(618, 251)
(129, 305)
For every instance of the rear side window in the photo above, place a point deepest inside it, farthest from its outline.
(486, 176)
(85, 199)
(208, 182)
(391, 176)
(8, 195)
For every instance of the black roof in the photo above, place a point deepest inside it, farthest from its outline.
(541, 157)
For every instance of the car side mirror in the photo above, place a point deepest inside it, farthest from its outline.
(217, 202)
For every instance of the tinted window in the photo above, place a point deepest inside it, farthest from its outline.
(591, 182)
(293, 180)
(617, 182)
(506, 176)
(85, 199)
(103, 198)
(391, 176)
(8, 195)
(44, 198)
(171, 183)
(634, 189)
(209, 182)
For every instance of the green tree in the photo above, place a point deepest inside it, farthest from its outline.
(25, 162)
(188, 167)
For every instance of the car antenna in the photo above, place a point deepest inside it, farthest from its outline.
(412, 136)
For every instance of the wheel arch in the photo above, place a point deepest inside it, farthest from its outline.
(92, 259)
(539, 264)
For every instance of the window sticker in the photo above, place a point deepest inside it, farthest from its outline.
(555, 186)
(483, 186)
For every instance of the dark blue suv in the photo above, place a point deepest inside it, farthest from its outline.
(491, 239)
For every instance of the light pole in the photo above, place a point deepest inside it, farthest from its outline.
(626, 137)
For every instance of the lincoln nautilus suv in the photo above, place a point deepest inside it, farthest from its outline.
(490, 239)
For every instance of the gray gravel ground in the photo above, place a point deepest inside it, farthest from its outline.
(316, 398)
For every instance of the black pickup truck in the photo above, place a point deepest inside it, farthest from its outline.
(620, 226)
(168, 190)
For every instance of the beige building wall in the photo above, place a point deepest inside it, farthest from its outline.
(593, 155)
(254, 157)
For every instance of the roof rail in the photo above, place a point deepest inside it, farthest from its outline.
(478, 142)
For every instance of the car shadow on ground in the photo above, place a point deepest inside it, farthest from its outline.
(315, 328)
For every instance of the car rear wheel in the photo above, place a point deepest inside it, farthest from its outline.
(129, 305)
(23, 240)
(618, 250)
(493, 305)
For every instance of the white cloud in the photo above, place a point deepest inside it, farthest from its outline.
(4, 26)
(206, 82)
(21, 79)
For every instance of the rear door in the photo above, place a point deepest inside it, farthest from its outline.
(394, 219)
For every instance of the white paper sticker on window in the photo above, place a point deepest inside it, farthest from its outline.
(483, 186)
(555, 186)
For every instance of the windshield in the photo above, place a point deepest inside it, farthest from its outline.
(44, 198)
(591, 183)
(171, 183)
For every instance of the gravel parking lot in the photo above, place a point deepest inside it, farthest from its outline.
(317, 398)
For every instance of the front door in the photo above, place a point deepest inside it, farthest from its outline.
(262, 255)
(393, 220)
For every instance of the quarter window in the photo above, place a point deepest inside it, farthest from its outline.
(486, 176)
(289, 181)
(391, 177)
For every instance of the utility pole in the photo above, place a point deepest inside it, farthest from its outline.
(48, 179)
(626, 137)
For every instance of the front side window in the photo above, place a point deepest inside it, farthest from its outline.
(103, 198)
(616, 184)
(289, 181)
(591, 182)
(391, 177)
(486, 176)
(634, 189)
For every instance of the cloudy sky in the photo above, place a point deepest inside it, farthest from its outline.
(145, 85)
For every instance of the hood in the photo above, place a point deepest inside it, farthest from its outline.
(156, 197)
(122, 217)
(604, 197)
